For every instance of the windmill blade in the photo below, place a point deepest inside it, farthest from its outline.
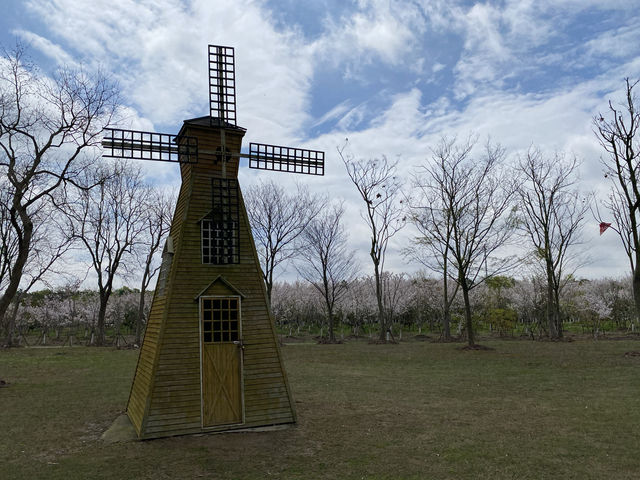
(139, 145)
(286, 159)
(222, 85)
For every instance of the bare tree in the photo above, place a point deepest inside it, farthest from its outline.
(618, 136)
(466, 205)
(277, 221)
(377, 184)
(157, 222)
(431, 214)
(552, 216)
(49, 244)
(108, 221)
(326, 262)
(46, 125)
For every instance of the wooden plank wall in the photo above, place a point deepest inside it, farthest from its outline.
(168, 394)
(140, 395)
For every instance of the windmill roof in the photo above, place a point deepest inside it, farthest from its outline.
(207, 121)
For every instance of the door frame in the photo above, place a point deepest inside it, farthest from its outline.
(240, 353)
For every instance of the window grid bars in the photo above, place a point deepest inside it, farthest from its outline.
(220, 231)
(220, 320)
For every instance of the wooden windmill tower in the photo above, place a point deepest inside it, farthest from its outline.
(210, 360)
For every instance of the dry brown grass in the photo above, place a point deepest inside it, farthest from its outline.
(418, 410)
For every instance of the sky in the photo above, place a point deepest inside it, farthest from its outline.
(391, 76)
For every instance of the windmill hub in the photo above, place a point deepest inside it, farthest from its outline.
(220, 157)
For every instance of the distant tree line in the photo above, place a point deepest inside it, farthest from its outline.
(67, 316)
(502, 307)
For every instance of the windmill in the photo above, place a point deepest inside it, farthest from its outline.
(210, 360)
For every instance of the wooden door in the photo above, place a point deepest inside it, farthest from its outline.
(221, 344)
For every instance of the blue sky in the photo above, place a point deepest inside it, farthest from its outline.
(392, 76)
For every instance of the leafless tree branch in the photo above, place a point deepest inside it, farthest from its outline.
(380, 189)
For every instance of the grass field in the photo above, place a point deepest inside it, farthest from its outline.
(525, 410)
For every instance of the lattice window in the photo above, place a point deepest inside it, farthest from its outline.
(220, 230)
(220, 320)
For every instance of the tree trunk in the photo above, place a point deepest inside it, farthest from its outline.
(332, 336)
(552, 321)
(269, 287)
(268, 282)
(557, 314)
(24, 246)
(143, 290)
(268, 277)
(636, 290)
(446, 313)
(329, 300)
(446, 323)
(467, 314)
(101, 318)
(11, 323)
(383, 330)
(140, 317)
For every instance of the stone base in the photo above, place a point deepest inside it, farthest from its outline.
(120, 431)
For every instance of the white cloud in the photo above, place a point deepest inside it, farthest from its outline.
(379, 31)
(336, 112)
(352, 119)
(158, 51)
(512, 39)
(496, 37)
(50, 49)
(619, 43)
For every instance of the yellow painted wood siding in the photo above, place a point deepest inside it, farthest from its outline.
(165, 398)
